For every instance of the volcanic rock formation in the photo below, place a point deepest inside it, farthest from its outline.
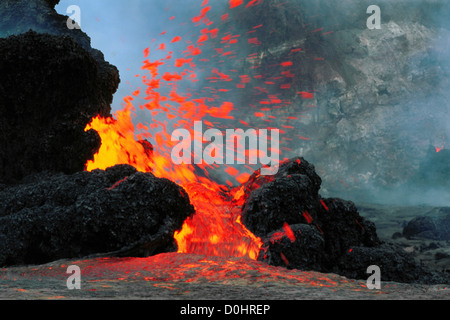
(118, 211)
(302, 230)
(434, 225)
(51, 85)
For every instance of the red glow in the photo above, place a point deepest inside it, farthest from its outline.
(202, 15)
(285, 260)
(288, 231)
(307, 216)
(324, 205)
(167, 274)
(235, 3)
(253, 3)
(215, 228)
(306, 95)
(117, 183)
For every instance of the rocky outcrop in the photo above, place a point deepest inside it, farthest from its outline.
(434, 225)
(51, 85)
(395, 265)
(290, 196)
(50, 88)
(302, 230)
(118, 211)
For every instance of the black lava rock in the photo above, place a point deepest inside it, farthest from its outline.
(118, 211)
(343, 228)
(394, 262)
(52, 82)
(319, 245)
(435, 225)
(52, 3)
(297, 246)
(50, 88)
(331, 238)
(290, 196)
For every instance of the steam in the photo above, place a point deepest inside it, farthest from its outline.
(123, 29)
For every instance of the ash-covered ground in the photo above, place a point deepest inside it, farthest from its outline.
(175, 276)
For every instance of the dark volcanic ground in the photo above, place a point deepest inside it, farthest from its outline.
(390, 221)
(189, 276)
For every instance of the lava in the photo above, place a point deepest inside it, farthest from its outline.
(215, 229)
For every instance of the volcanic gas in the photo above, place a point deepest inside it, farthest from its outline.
(216, 227)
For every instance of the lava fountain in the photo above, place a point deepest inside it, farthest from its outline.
(215, 229)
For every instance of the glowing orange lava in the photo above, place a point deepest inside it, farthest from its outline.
(215, 228)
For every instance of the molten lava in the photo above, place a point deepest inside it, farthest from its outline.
(215, 229)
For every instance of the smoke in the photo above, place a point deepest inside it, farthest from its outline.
(337, 136)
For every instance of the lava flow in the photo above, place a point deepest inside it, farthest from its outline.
(215, 229)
